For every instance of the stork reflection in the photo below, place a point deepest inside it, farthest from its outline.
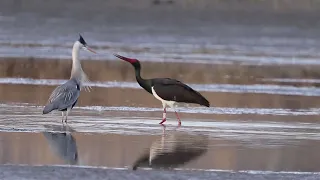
(62, 143)
(173, 150)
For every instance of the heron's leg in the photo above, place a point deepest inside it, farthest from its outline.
(62, 116)
(164, 116)
(68, 110)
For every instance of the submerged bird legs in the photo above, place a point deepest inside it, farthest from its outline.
(163, 129)
(65, 115)
(164, 116)
(178, 118)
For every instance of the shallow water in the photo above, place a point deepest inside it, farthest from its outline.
(159, 33)
(120, 141)
(261, 80)
(116, 137)
(263, 127)
(229, 88)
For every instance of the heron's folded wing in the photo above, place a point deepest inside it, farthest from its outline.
(65, 95)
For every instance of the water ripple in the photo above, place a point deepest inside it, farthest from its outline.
(231, 88)
(194, 110)
(251, 132)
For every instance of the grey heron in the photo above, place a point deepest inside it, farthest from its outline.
(64, 97)
(62, 143)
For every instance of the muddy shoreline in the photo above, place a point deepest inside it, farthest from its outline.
(116, 70)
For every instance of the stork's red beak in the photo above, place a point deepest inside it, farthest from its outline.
(125, 58)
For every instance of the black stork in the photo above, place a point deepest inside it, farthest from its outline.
(168, 91)
(173, 150)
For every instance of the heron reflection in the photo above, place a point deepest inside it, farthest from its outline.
(62, 143)
(173, 150)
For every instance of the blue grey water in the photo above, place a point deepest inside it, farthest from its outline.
(158, 33)
(280, 149)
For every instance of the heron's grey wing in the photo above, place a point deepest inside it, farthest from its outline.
(56, 93)
(65, 95)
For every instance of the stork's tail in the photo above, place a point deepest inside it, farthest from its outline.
(199, 99)
(204, 102)
(48, 108)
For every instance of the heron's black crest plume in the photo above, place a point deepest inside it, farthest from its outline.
(81, 40)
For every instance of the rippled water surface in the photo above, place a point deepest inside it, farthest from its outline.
(261, 79)
(125, 141)
(206, 36)
(129, 136)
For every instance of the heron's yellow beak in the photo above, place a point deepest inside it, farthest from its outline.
(89, 49)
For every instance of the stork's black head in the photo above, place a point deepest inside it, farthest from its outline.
(82, 41)
(135, 62)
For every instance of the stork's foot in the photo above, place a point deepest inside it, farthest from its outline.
(178, 118)
(163, 120)
(177, 127)
(163, 129)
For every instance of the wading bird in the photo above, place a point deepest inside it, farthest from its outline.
(65, 96)
(173, 150)
(168, 91)
(62, 143)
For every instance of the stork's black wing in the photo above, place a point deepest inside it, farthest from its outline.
(174, 90)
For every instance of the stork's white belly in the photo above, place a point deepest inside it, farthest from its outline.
(164, 102)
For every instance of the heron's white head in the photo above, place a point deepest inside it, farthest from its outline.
(77, 71)
(84, 45)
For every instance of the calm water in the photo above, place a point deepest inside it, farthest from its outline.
(261, 121)
(126, 135)
(158, 33)
(123, 141)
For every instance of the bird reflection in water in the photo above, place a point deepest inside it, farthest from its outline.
(173, 150)
(62, 143)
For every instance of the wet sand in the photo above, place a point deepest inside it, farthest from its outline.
(139, 98)
(116, 125)
(118, 139)
(48, 172)
(117, 70)
(259, 125)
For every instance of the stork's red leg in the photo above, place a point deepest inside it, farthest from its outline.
(163, 129)
(164, 116)
(179, 121)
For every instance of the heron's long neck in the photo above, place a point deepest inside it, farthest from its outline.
(144, 83)
(76, 71)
